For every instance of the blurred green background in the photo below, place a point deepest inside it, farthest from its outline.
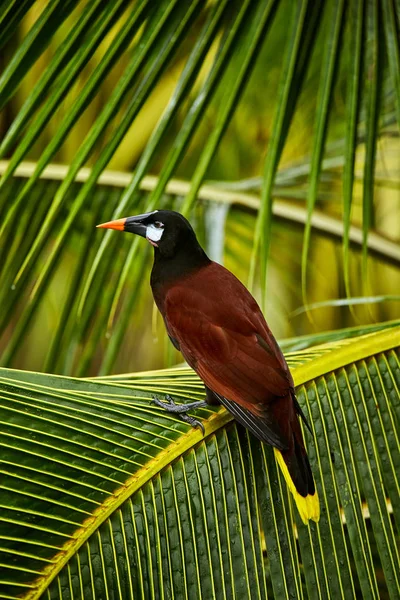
(88, 316)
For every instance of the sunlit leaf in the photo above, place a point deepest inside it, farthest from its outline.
(103, 491)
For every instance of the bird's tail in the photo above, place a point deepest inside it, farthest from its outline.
(296, 470)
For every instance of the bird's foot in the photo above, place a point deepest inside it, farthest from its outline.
(170, 405)
(181, 410)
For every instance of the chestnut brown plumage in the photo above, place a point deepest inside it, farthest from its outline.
(219, 328)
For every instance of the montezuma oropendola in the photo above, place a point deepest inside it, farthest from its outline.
(219, 328)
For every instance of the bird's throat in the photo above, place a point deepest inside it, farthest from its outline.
(168, 270)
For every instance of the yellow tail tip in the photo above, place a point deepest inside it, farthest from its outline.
(308, 506)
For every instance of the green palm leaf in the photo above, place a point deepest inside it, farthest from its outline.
(104, 495)
(123, 51)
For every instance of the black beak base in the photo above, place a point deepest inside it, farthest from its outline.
(134, 225)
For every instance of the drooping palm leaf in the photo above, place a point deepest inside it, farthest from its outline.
(132, 46)
(104, 495)
(328, 68)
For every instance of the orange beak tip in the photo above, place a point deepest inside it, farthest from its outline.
(119, 224)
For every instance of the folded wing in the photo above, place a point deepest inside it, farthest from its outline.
(235, 354)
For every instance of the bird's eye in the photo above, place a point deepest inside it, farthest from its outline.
(159, 225)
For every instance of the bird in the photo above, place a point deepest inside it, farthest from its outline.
(217, 325)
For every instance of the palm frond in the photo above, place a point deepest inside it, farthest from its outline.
(218, 47)
(328, 69)
(352, 109)
(305, 20)
(103, 491)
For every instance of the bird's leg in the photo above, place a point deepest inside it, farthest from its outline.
(181, 410)
(211, 397)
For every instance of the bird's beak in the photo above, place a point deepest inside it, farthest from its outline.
(118, 224)
(130, 224)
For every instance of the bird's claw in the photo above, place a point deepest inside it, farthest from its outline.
(180, 409)
(170, 405)
(193, 422)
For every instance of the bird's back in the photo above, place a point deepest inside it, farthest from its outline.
(224, 336)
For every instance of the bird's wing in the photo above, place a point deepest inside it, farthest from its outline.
(264, 425)
(231, 350)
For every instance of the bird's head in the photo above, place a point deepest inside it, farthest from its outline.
(166, 230)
